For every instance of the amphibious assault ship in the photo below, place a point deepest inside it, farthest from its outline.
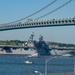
(35, 48)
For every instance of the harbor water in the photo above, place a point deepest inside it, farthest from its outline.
(15, 64)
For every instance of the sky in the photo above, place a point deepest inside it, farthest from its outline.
(12, 10)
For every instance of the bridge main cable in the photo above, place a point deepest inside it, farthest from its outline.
(31, 14)
(54, 10)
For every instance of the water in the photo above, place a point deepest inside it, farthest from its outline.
(14, 64)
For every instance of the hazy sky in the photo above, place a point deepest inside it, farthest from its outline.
(11, 10)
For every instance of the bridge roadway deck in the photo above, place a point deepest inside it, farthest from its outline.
(38, 23)
(58, 48)
(10, 46)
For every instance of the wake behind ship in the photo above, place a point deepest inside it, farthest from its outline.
(33, 47)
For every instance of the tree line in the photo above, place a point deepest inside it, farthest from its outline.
(61, 44)
(18, 42)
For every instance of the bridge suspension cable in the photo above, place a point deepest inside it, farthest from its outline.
(54, 9)
(32, 13)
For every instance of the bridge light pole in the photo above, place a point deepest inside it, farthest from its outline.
(47, 60)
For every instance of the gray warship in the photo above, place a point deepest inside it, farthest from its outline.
(34, 48)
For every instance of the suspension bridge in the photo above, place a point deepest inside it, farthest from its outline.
(34, 23)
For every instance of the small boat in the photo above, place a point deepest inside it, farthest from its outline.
(67, 55)
(33, 55)
(28, 62)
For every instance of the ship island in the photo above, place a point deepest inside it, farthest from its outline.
(36, 48)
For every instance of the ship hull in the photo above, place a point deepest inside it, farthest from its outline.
(18, 51)
(34, 51)
(62, 52)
